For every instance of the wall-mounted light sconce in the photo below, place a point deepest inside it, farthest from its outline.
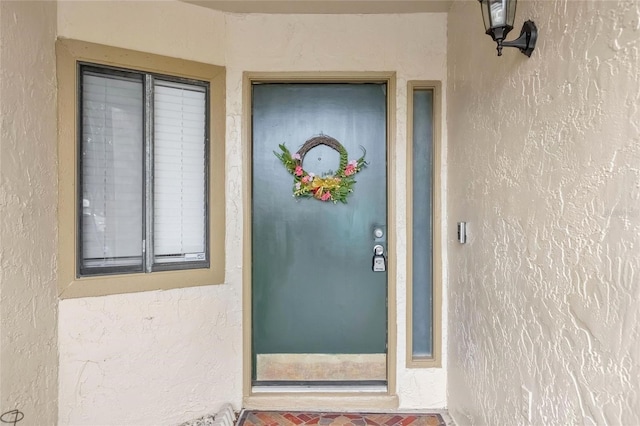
(498, 16)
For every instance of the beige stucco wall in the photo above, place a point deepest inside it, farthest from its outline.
(165, 357)
(163, 27)
(544, 159)
(28, 227)
(411, 45)
(154, 357)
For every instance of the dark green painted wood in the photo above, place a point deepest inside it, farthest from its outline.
(313, 289)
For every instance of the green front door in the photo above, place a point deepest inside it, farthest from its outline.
(319, 311)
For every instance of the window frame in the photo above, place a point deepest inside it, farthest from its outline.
(70, 55)
(435, 360)
(147, 168)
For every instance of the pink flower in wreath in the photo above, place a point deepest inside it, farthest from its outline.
(326, 196)
(306, 179)
(295, 156)
(349, 170)
(298, 171)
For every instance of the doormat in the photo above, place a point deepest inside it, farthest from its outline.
(286, 418)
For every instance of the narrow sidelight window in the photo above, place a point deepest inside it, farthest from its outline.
(422, 284)
(424, 242)
(142, 173)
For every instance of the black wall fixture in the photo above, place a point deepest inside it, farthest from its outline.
(498, 17)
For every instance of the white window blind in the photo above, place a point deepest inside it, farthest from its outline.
(143, 172)
(112, 175)
(179, 180)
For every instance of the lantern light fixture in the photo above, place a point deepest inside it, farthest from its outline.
(498, 17)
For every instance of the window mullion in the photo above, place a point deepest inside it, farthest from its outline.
(148, 167)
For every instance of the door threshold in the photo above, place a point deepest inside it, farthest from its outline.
(334, 399)
(301, 388)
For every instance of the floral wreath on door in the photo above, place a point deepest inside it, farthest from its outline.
(330, 186)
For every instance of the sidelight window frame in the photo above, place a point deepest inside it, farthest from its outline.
(435, 359)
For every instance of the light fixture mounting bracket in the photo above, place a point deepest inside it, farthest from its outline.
(526, 42)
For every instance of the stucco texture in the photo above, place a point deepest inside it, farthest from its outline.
(166, 357)
(28, 229)
(544, 165)
(411, 45)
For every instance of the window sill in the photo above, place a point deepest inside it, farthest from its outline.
(424, 363)
(132, 283)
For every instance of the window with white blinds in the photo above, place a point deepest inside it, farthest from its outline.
(143, 169)
(179, 172)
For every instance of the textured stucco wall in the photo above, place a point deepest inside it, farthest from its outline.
(28, 194)
(163, 27)
(544, 164)
(164, 357)
(411, 45)
(155, 357)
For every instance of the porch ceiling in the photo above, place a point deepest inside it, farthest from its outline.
(325, 6)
